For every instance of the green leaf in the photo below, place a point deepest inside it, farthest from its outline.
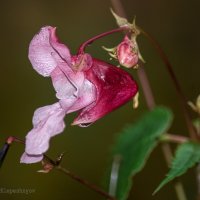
(135, 144)
(187, 155)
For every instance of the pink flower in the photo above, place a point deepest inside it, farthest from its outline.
(127, 52)
(82, 83)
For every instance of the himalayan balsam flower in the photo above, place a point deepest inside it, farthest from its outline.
(82, 83)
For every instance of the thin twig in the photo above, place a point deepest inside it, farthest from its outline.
(84, 182)
(55, 165)
(174, 138)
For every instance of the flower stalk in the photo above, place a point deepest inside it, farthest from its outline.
(82, 47)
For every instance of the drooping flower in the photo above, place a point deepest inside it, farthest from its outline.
(82, 83)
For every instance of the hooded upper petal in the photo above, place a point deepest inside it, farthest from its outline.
(114, 87)
(42, 47)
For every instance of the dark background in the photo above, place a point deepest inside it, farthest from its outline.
(175, 24)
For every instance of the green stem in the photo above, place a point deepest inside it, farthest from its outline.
(174, 138)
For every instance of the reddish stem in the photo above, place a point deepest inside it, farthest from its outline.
(91, 40)
(182, 98)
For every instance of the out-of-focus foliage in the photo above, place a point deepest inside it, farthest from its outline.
(187, 155)
(134, 145)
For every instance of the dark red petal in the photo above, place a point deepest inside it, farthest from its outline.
(114, 88)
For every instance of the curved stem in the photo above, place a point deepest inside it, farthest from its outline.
(91, 40)
(182, 98)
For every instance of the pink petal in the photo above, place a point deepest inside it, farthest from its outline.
(47, 122)
(41, 48)
(76, 78)
(74, 91)
(86, 96)
(28, 159)
(63, 86)
(68, 77)
(60, 48)
(114, 88)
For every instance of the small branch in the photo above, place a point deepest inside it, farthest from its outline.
(84, 182)
(91, 40)
(174, 138)
(56, 165)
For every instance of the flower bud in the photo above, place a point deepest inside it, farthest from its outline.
(127, 53)
(195, 107)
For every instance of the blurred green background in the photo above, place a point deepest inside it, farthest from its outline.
(175, 24)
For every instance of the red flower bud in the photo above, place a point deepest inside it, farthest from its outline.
(127, 53)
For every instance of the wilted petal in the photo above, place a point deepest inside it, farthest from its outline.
(25, 158)
(114, 87)
(47, 122)
(41, 48)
